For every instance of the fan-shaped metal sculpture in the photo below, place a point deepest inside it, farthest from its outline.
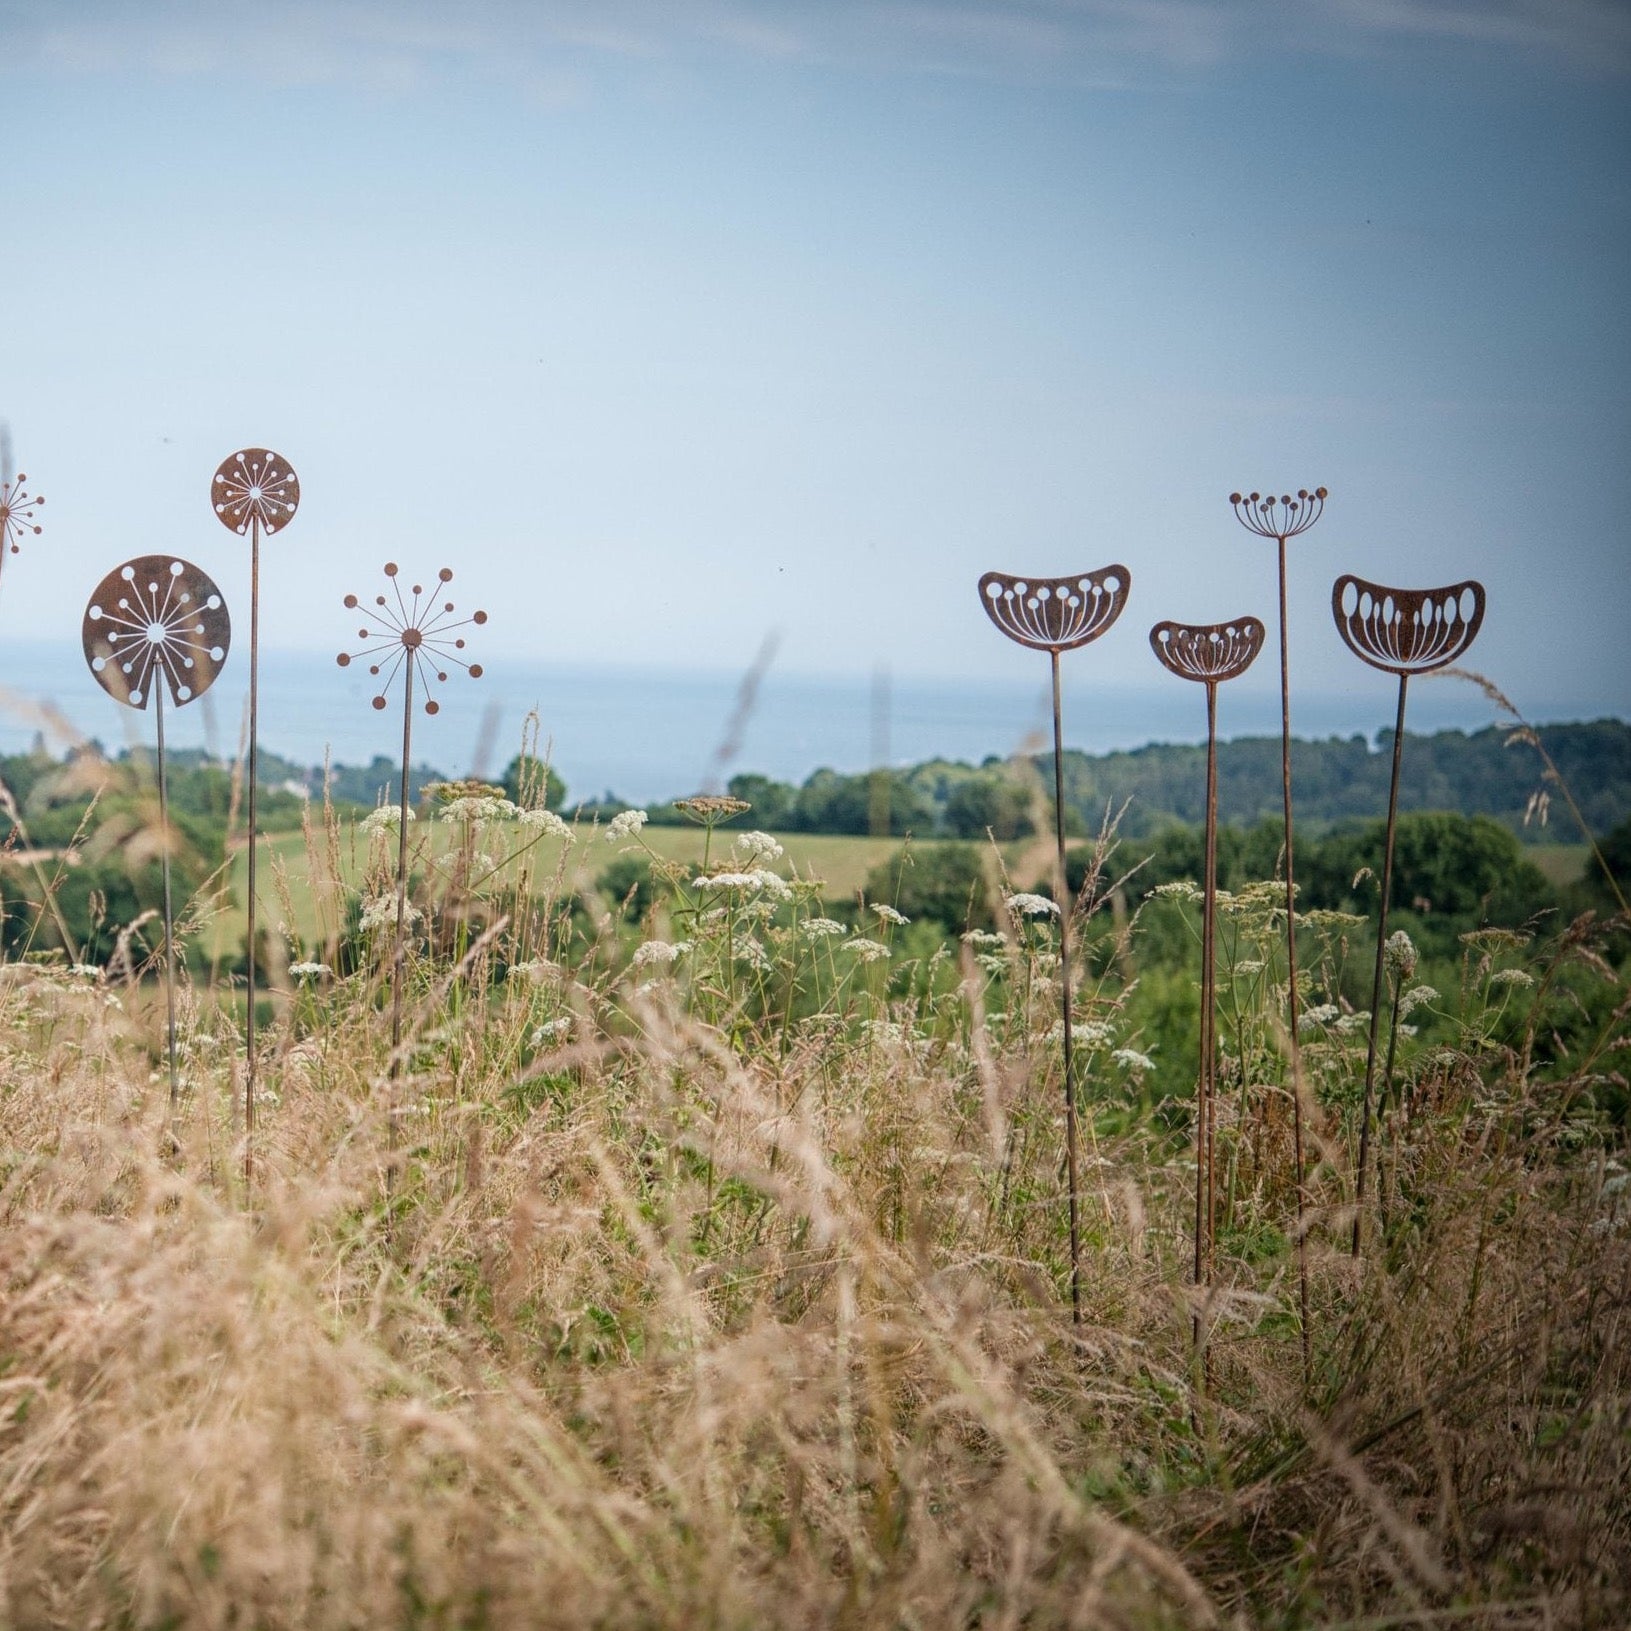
(254, 492)
(408, 637)
(1208, 653)
(1403, 632)
(1282, 519)
(157, 625)
(1055, 615)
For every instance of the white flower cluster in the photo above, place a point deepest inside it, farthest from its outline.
(1130, 1059)
(545, 822)
(1322, 1013)
(658, 951)
(1031, 906)
(759, 880)
(1093, 1033)
(380, 913)
(624, 825)
(869, 951)
(1521, 978)
(86, 971)
(749, 951)
(385, 819)
(310, 971)
(537, 971)
(1415, 997)
(755, 848)
(888, 914)
(551, 1030)
(479, 810)
(820, 928)
(1400, 954)
(983, 937)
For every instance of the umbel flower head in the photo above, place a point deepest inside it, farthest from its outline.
(156, 617)
(1208, 652)
(255, 486)
(417, 636)
(17, 507)
(1279, 518)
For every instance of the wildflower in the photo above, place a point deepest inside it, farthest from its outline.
(310, 971)
(478, 810)
(708, 808)
(1031, 906)
(1248, 966)
(536, 971)
(992, 963)
(982, 937)
(380, 913)
(1322, 1013)
(758, 879)
(1093, 1033)
(1130, 1059)
(756, 847)
(748, 950)
(625, 824)
(1400, 954)
(869, 951)
(820, 928)
(1415, 997)
(888, 914)
(545, 822)
(1350, 1023)
(1521, 978)
(385, 819)
(86, 971)
(551, 1029)
(658, 951)
(1179, 889)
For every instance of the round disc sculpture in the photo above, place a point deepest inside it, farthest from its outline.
(1281, 519)
(255, 493)
(1403, 632)
(1055, 615)
(408, 638)
(157, 625)
(1209, 654)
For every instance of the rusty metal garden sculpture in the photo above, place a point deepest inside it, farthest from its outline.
(17, 514)
(411, 638)
(254, 493)
(1056, 615)
(1209, 654)
(1282, 519)
(1403, 632)
(157, 625)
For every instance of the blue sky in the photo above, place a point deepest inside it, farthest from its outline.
(670, 325)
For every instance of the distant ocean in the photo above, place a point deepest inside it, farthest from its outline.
(651, 733)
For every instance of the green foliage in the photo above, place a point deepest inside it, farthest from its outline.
(939, 883)
(531, 783)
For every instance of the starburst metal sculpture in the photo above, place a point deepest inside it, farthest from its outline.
(254, 492)
(17, 514)
(408, 638)
(1056, 615)
(1282, 519)
(1403, 632)
(157, 625)
(1209, 654)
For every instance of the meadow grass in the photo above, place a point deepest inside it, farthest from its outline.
(710, 1272)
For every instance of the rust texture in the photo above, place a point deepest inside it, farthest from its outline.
(160, 619)
(1209, 652)
(255, 488)
(416, 636)
(17, 514)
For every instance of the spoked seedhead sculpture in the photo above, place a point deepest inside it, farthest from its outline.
(157, 625)
(1209, 654)
(1281, 519)
(254, 493)
(1055, 615)
(1403, 632)
(418, 637)
(156, 619)
(255, 489)
(17, 507)
(409, 637)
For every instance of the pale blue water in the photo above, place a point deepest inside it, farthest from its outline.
(647, 734)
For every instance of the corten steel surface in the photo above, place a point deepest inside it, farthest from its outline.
(153, 625)
(1210, 654)
(1403, 632)
(408, 637)
(1282, 519)
(1055, 615)
(254, 492)
(17, 515)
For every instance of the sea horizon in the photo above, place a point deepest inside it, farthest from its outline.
(645, 732)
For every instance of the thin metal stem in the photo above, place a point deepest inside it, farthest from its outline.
(1062, 894)
(1291, 971)
(1205, 1207)
(254, 842)
(1381, 955)
(169, 914)
(401, 879)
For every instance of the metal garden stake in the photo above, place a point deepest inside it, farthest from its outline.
(153, 625)
(1403, 632)
(408, 637)
(1055, 615)
(1280, 519)
(254, 492)
(1210, 654)
(17, 507)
